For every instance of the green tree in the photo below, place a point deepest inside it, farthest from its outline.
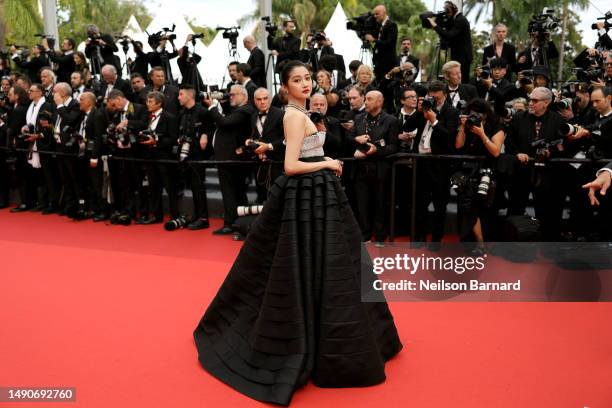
(19, 20)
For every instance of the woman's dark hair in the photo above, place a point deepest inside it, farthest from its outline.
(22, 94)
(288, 67)
(481, 106)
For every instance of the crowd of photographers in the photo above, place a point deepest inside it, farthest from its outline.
(82, 141)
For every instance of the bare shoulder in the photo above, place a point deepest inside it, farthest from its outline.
(293, 116)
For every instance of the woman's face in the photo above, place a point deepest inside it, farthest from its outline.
(299, 85)
(365, 77)
(77, 59)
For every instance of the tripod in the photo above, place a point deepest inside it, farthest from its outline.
(272, 63)
(233, 55)
(365, 53)
(437, 61)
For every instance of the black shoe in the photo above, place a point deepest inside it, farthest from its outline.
(223, 231)
(49, 210)
(39, 207)
(81, 215)
(199, 224)
(114, 218)
(20, 208)
(3, 205)
(99, 217)
(149, 221)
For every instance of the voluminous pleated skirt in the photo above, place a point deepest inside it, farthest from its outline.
(290, 308)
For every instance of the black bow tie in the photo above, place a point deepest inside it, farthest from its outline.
(262, 114)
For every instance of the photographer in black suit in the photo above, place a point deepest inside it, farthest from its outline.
(375, 137)
(537, 124)
(232, 131)
(406, 57)
(257, 61)
(435, 136)
(100, 49)
(268, 133)
(456, 90)
(66, 123)
(15, 119)
(126, 117)
(65, 60)
(196, 127)
(457, 35)
(288, 46)
(243, 76)
(320, 48)
(335, 140)
(157, 76)
(33, 63)
(384, 56)
(156, 144)
(110, 81)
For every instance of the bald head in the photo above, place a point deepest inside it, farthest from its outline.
(249, 42)
(380, 13)
(318, 103)
(261, 99)
(109, 73)
(374, 102)
(87, 100)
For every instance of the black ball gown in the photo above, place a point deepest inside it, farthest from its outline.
(290, 308)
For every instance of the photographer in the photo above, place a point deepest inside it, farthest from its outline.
(384, 55)
(17, 109)
(535, 134)
(375, 137)
(435, 136)
(232, 131)
(196, 127)
(34, 62)
(243, 76)
(188, 65)
(325, 88)
(77, 83)
(539, 52)
(257, 61)
(100, 49)
(456, 90)
(65, 61)
(406, 57)
(111, 81)
(140, 65)
(159, 57)
(48, 81)
(125, 117)
(156, 144)
(287, 47)
(493, 86)
(268, 135)
(67, 122)
(335, 142)
(157, 76)
(319, 49)
(499, 48)
(480, 134)
(457, 34)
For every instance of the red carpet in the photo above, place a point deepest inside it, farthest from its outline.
(110, 310)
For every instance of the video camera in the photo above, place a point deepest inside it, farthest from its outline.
(441, 18)
(165, 34)
(607, 24)
(428, 103)
(363, 24)
(50, 40)
(270, 28)
(543, 24)
(231, 34)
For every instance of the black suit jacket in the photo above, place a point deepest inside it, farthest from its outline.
(15, 120)
(232, 131)
(459, 38)
(551, 52)
(167, 132)
(467, 92)
(314, 58)
(120, 85)
(521, 132)
(388, 128)
(70, 116)
(107, 52)
(508, 53)
(288, 47)
(94, 129)
(251, 87)
(170, 92)
(273, 132)
(32, 67)
(443, 135)
(257, 62)
(65, 64)
(384, 50)
(412, 59)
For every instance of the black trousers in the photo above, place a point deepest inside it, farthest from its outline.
(4, 180)
(28, 180)
(97, 203)
(73, 173)
(433, 186)
(195, 175)
(162, 176)
(52, 186)
(371, 186)
(233, 191)
(124, 181)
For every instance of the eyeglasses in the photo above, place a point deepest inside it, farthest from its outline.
(609, 64)
(534, 100)
(409, 97)
(33, 90)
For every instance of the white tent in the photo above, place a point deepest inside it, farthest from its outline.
(132, 29)
(345, 42)
(165, 18)
(218, 55)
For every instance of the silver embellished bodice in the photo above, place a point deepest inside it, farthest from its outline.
(312, 146)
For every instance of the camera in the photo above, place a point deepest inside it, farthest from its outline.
(428, 103)
(271, 29)
(50, 40)
(565, 103)
(114, 135)
(31, 130)
(176, 223)
(473, 120)
(485, 73)
(441, 18)
(316, 117)
(144, 136)
(363, 24)
(486, 175)
(543, 146)
(459, 180)
(231, 34)
(244, 210)
(588, 74)
(607, 24)
(155, 38)
(213, 93)
(74, 138)
(527, 77)
(544, 23)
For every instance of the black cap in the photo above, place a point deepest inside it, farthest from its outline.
(498, 63)
(541, 70)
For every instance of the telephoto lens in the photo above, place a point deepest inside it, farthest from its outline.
(485, 181)
(176, 223)
(244, 210)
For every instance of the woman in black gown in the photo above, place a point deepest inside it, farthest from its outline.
(290, 308)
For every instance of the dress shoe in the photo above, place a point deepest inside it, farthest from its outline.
(49, 210)
(223, 231)
(38, 208)
(199, 224)
(379, 244)
(99, 217)
(20, 208)
(149, 221)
